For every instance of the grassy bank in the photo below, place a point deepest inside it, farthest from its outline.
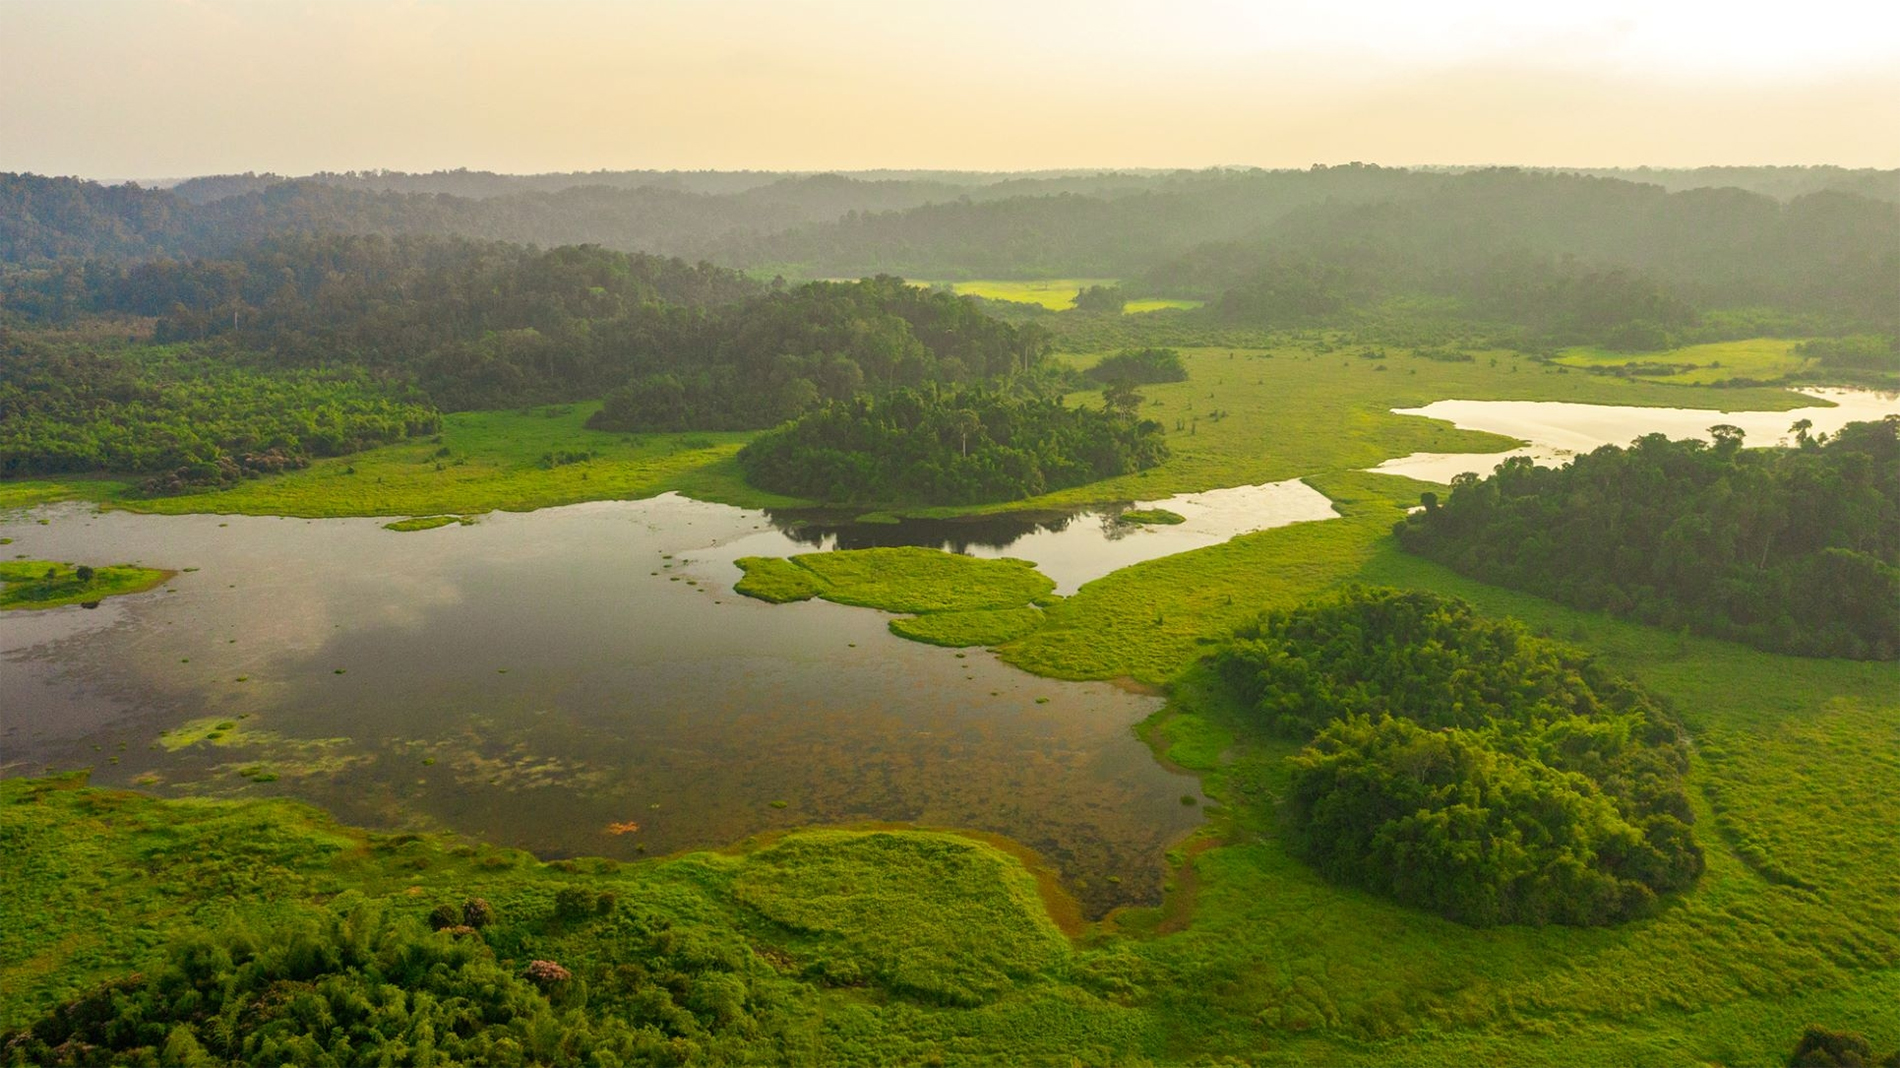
(27, 584)
(481, 462)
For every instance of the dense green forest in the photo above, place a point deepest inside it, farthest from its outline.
(302, 346)
(184, 417)
(952, 447)
(1462, 765)
(1139, 366)
(353, 983)
(1795, 550)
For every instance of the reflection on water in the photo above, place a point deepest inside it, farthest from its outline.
(1559, 430)
(1070, 547)
(582, 680)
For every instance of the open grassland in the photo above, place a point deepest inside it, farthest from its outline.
(1152, 304)
(482, 461)
(1248, 416)
(1759, 359)
(1055, 294)
(26, 584)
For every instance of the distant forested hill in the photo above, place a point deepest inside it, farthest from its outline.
(1564, 258)
(361, 339)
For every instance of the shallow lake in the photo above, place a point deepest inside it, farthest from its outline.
(1557, 430)
(583, 680)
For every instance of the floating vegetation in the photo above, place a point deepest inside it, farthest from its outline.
(1151, 516)
(429, 522)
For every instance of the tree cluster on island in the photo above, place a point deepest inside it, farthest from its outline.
(1794, 550)
(1462, 765)
(956, 446)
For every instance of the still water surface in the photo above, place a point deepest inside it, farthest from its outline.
(551, 679)
(1558, 431)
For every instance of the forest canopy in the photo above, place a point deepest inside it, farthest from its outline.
(967, 446)
(1462, 765)
(1794, 550)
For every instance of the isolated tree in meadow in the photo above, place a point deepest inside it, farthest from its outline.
(84, 573)
(1122, 398)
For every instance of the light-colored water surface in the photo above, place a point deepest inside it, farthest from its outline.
(1556, 431)
(535, 678)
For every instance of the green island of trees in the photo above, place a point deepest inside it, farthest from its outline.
(1794, 550)
(49, 584)
(1460, 764)
(1140, 366)
(966, 446)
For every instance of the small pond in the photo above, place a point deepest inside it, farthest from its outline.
(1558, 430)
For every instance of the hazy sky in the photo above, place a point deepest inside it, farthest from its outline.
(155, 88)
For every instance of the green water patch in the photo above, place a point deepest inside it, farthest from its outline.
(26, 584)
(953, 600)
(981, 626)
(1151, 517)
(428, 522)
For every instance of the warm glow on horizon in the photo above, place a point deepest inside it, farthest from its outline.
(156, 88)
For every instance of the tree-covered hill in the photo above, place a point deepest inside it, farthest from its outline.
(1795, 550)
(962, 447)
(1462, 765)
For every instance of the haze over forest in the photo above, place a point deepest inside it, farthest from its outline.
(126, 89)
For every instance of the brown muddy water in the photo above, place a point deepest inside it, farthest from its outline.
(583, 681)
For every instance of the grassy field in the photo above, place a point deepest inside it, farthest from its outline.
(1761, 359)
(482, 462)
(1248, 416)
(1057, 294)
(28, 584)
(950, 600)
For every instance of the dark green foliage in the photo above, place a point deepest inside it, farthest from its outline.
(477, 913)
(444, 916)
(353, 983)
(963, 447)
(1141, 366)
(774, 358)
(1101, 300)
(1858, 352)
(1822, 1048)
(1462, 765)
(190, 418)
(1794, 550)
